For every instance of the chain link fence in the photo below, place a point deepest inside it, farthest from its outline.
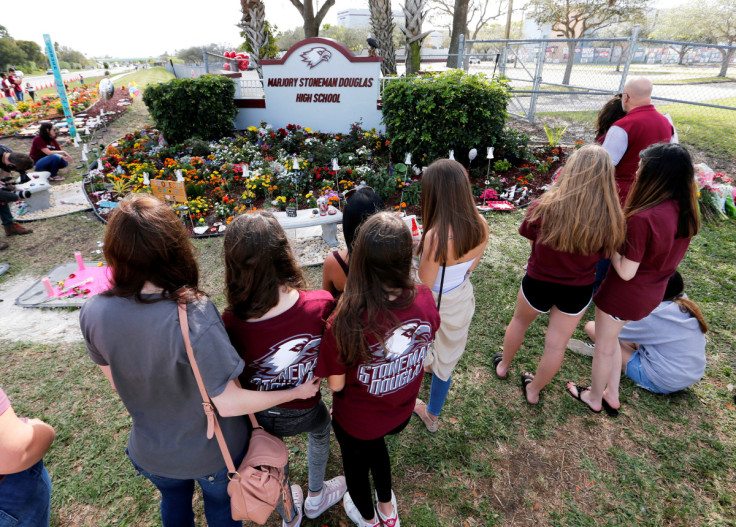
(685, 76)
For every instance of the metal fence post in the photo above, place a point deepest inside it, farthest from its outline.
(537, 80)
(206, 62)
(504, 54)
(629, 56)
(460, 52)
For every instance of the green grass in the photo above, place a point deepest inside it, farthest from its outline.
(668, 460)
(696, 80)
(711, 130)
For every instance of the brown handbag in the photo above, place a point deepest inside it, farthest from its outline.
(258, 484)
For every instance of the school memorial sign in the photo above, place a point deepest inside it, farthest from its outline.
(319, 83)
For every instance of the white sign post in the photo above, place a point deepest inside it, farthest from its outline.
(320, 84)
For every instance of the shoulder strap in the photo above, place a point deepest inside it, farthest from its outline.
(209, 410)
(442, 285)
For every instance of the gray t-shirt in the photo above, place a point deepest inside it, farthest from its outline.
(144, 347)
(672, 347)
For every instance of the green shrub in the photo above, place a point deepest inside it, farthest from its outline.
(383, 182)
(514, 146)
(435, 113)
(201, 107)
(199, 147)
(501, 165)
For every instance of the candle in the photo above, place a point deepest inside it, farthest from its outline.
(80, 262)
(47, 285)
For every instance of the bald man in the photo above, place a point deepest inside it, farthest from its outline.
(641, 127)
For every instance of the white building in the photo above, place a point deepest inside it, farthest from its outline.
(355, 18)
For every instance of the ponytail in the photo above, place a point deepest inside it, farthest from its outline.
(688, 306)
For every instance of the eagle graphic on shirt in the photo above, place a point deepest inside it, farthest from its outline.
(288, 363)
(399, 361)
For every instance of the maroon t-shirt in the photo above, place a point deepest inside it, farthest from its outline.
(281, 352)
(650, 240)
(38, 143)
(380, 394)
(7, 87)
(551, 265)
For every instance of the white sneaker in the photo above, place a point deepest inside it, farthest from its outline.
(332, 492)
(298, 497)
(580, 347)
(393, 520)
(354, 514)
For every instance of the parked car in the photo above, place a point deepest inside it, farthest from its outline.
(65, 71)
(49, 71)
(474, 60)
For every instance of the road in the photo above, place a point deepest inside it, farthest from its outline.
(45, 79)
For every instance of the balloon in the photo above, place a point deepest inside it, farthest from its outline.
(226, 66)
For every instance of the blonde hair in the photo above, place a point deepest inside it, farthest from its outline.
(581, 213)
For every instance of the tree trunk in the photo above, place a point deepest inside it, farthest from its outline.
(459, 24)
(726, 57)
(570, 59)
(383, 30)
(312, 22)
(413, 58)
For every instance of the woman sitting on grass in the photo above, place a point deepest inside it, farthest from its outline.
(665, 351)
(47, 154)
(570, 228)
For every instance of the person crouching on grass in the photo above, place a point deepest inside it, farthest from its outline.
(372, 355)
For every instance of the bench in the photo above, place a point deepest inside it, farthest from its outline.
(305, 218)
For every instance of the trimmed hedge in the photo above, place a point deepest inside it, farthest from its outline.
(432, 114)
(186, 108)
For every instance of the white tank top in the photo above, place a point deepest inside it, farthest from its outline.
(454, 276)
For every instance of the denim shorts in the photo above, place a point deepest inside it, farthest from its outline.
(635, 372)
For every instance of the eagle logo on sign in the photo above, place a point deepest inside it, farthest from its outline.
(315, 56)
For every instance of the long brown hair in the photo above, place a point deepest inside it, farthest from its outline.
(611, 112)
(145, 241)
(379, 265)
(674, 293)
(581, 213)
(448, 205)
(666, 172)
(258, 263)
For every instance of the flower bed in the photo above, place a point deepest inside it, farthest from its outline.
(294, 166)
(45, 107)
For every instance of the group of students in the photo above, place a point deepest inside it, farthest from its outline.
(378, 325)
(12, 87)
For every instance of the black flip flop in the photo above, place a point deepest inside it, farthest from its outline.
(610, 410)
(497, 358)
(526, 380)
(580, 390)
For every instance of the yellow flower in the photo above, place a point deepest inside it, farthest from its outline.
(252, 129)
(308, 130)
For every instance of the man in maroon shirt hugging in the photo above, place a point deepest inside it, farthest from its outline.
(641, 127)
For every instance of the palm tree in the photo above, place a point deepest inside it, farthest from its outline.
(415, 15)
(382, 24)
(253, 25)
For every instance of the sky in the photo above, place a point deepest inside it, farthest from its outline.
(141, 29)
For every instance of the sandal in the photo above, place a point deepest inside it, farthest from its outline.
(57, 178)
(497, 358)
(526, 379)
(610, 410)
(420, 408)
(579, 390)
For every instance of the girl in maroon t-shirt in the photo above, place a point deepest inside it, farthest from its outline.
(373, 357)
(578, 221)
(276, 328)
(47, 154)
(661, 218)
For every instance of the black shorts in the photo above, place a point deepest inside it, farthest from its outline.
(569, 299)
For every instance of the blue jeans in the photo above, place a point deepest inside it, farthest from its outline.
(438, 394)
(601, 271)
(177, 494)
(19, 96)
(5, 215)
(25, 498)
(635, 372)
(51, 164)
